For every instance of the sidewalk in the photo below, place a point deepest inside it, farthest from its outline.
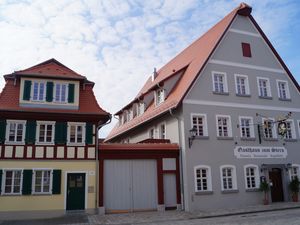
(148, 217)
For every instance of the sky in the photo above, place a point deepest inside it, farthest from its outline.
(117, 43)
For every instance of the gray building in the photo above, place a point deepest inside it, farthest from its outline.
(222, 99)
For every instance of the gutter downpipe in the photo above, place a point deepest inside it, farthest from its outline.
(181, 160)
(99, 211)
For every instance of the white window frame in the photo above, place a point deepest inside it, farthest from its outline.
(225, 85)
(8, 122)
(141, 108)
(298, 125)
(288, 96)
(76, 124)
(38, 124)
(42, 187)
(39, 82)
(233, 176)
(247, 89)
(268, 87)
(160, 130)
(293, 130)
(154, 132)
(4, 181)
(160, 95)
(229, 128)
(209, 177)
(256, 176)
(205, 129)
(274, 129)
(251, 126)
(66, 94)
(291, 174)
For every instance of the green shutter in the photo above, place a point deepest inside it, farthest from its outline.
(1, 181)
(2, 131)
(27, 89)
(56, 182)
(30, 131)
(49, 92)
(27, 182)
(89, 133)
(60, 133)
(71, 93)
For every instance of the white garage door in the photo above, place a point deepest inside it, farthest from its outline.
(130, 185)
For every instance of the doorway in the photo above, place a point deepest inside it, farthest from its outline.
(276, 189)
(170, 194)
(75, 191)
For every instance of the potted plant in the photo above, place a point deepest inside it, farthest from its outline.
(264, 186)
(294, 187)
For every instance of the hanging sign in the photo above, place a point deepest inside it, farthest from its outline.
(259, 152)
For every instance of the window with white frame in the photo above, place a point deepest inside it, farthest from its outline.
(162, 131)
(152, 133)
(159, 96)
(283, 89)
(42, 181)
(38, 91)
(76, 133)
(246, 127)
(202, 178)
(264, 88)
(12, 182)
(294, 172)
(219, 82)
(45, 132)
(61, 91)
(290, 130)
(251, 176)
(298, 125)
(223, 126)
(241, 85)
(15, 131)
(269, 128)
(200, 123)
(228, 178)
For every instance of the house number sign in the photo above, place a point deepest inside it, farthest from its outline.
(258, 152)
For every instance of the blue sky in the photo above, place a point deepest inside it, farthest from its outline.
(117, 43)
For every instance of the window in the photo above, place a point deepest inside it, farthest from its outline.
(251, 176)
(39, 89)
(241, 85)
(290, 130)
(202, 178)
(294, 171)
(76, 133)
(264, 87)
(141, 109)
(152, 133)
(246, 48)
(269, 129)
(15, 131)
(162, 131)
(160, 96)
(228, 178)
(61, 91)
(200, 123)
(246, 127)
(219, 82)
(12, 181)
(45, 132)
(223, 126)
(42, 181)
(283, 90)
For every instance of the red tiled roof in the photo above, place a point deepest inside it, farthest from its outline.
(142, 147)
(194, 57)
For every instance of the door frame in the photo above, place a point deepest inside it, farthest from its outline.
(85, 188)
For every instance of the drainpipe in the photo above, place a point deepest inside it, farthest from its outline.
(97, 158)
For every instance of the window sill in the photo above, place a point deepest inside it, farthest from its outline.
(45, 143)
(291, 140)
(265, 97)
(220, 93)
(204, 192)
(41, 194)
(253, 190)
(224, 138)
(270, 139)
(11, 194)
(201, 137)
(285, 99)
(229, 191)
(248, 139)
(241, 95)
(14, 143)
(75, 144)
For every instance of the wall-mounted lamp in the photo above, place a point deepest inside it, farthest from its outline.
(263, 167)
(193, 133)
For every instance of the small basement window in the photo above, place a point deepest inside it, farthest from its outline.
(246, 50)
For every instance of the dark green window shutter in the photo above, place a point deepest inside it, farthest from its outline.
(56, 182)
(89, 133)
(27, 182)
(71, 93)
(30, 131)
(49, 92)
(27, 90)
(1, 181)
(60, 133)
(2, 130)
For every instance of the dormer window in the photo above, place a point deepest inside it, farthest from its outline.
(38, 91)
(141, 109)
(160, 96)
(61, 92)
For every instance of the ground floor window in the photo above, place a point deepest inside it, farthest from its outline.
(42, 181)
(12, 181)
(202, 178)
(228, 178)
(251, 176)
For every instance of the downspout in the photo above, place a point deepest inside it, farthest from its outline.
(97, 158)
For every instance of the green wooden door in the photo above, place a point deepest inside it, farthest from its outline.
(76, 191)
